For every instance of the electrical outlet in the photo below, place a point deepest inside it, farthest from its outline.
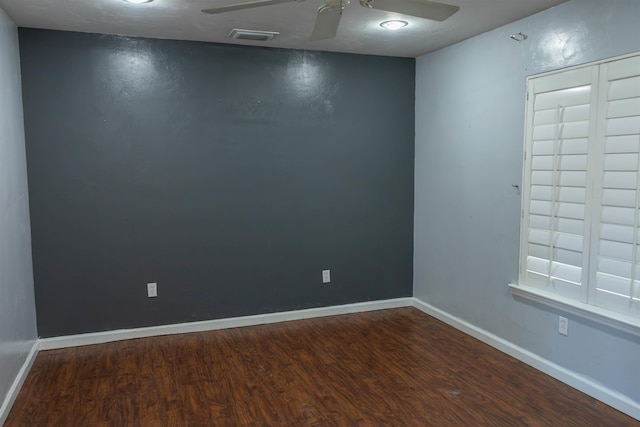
(326, 276)
(563, 325)
(152, 290)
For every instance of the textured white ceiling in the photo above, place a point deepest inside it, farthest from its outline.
(359, 30)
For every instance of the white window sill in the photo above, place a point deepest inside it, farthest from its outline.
(590, 312)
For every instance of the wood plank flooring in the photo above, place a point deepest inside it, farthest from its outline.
(395, 367)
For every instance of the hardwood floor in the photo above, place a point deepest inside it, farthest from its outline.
(395, 367)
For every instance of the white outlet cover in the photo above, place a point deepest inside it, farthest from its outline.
(326, 276)
(152, 290)
(563, 325)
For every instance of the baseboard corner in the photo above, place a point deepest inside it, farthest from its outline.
(21, 377)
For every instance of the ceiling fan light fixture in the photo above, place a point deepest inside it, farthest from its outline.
(394, 24)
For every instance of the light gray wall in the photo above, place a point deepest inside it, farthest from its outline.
(17, 307)
(469, 138)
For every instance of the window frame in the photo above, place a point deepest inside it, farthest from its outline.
(578, 306)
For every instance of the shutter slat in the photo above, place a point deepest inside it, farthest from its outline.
(625, 88)
(562, 210)
(614, 267)
(545, 147)
(560, 255)
(562, 194)
(623, 68)
(575, 130)
(620, 180)
(617, 233)
(622, 144)
(620, 198)
(623, 126)
(572, 163)
(616, 250)
(578, 95)
(571, 114)
(624, 108)
(565, 179)
(561, 225)
(616, 215)
(621, 162)
(613, 283)
(576, 162)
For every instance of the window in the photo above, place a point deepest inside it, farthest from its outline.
(580, 232)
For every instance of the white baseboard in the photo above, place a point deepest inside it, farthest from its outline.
(210, 325)
(586, 385)
(12, 394)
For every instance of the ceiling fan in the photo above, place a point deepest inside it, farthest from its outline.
(326, 25)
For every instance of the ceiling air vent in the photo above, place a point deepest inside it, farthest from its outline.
(261, 36)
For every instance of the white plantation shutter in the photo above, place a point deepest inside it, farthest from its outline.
(556, 185)
(580, 234)
(615, 261)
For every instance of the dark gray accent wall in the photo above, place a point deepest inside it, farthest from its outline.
(229, 175)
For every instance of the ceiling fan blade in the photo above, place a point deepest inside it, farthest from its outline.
(420, 8)
(327, 22)
(246, 5)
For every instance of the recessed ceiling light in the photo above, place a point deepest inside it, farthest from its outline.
(394, 24)
(138, 1)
